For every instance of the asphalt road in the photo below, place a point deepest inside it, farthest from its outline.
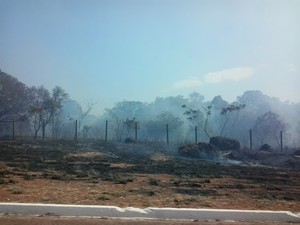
(111, 213)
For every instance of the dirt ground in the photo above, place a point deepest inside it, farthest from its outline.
(19, 220)
(140, 175)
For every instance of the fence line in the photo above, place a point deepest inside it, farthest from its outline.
(11, 132)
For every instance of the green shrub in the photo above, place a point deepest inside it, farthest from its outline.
(103, 197)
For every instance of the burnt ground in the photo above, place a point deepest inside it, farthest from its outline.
(144, 175)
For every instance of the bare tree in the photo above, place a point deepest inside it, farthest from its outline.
(84, 114)
(227, 112)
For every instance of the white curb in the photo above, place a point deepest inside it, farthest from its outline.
(147, 213)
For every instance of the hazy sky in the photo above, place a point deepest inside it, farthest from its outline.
(110, 50)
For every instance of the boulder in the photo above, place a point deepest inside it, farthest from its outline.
(225, 144)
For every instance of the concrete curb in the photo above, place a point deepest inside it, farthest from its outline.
(147, 213)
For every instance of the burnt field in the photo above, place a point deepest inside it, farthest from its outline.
(144, 175)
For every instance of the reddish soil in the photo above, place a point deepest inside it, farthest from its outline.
(19, 220)
(138, 175)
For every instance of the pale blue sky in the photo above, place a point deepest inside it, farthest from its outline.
(108, 51)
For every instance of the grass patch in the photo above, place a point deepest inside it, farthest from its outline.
(16, 190)
(184, 199)
(103, 197)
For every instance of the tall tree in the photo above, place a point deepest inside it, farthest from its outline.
(40, 109)
(45, 106)
(14, 97)
(58, 96)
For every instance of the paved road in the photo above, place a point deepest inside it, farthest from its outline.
(147, 213)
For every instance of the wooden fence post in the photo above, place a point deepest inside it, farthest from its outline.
(135, 127)
(250, 140)
(43, 130)
(106, 126)
(196, 134)
(13, 129)
(75, 137)
(281, 147)
(167, 130)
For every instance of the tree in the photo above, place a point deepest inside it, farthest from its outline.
(155, 128)
(228, 111)
(297, 134)
(118, 126)
(84, 114)
(131, 125)
(256, 101)
(14, 98)
(123, 111)
(58, 96)
(216, 119)
(174, 124)
(168, 104)
(196, 117)
(208, 114)
(116, 122)
(40, 108)
(196, 99)
(267, 128)
(85, 130)
(65, 119)
(44, 107)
